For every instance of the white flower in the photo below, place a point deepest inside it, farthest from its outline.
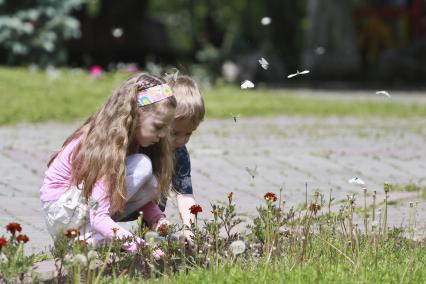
(356, 180)
(151, 237)
(80, 259)
(68, 258)
(237, 247)
(92, 255)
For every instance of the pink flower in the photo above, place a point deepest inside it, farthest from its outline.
(96, 71)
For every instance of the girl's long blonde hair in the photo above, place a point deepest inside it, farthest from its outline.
(108, 137)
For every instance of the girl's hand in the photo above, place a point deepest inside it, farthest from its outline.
(158, 254)
(161, 222)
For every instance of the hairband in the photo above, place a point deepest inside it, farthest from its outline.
(153, 94)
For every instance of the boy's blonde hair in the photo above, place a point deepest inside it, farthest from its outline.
(190, 103)
(107, 137)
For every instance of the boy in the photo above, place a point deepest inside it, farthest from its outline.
(188, 115)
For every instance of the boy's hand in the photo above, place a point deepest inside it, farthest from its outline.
(187, 237)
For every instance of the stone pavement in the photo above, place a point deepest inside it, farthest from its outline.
(280, 152)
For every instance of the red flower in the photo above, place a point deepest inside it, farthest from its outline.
(114, 230)
(195, 209)
(314, 207)
(3, 242)
(269, 196)
(22, 238)
(72, 233)
(13, 228)
(163, 230)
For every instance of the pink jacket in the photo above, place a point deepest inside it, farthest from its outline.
(57, 181)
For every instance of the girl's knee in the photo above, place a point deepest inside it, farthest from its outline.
(139, 170)
(139, 164)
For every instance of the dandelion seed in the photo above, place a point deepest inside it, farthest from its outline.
(383, 93)
(237, 247)
(247, 84)
(298, 73)
(356, 180)
(374, 224)
(80, 259)
(264, 63)
(265, 21)
(117, 32)
(320, 50)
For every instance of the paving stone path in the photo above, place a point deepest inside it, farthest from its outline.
(283, 152)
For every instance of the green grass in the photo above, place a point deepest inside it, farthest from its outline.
(32, 97)
(397, 262)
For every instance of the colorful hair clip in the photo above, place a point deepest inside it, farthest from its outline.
(153, 94)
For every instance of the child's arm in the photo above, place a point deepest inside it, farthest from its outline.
(101, 221)
(185, 201)
(152, 214)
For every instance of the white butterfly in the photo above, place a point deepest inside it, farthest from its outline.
(265, 21)
(264, 63)
(356, 180)
(247, 84)
(383, 93)
(298, 73)
(175, 75)
(235, 117)
(252, 172)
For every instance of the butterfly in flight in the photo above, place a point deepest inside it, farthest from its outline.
(356, 180)
(264, 63)
(383, 93)
(252, 172)
(247, 84)
(235, 117)
(298, 73)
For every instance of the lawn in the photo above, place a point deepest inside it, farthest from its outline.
(68, 95)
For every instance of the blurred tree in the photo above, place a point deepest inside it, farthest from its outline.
(211, 32)
(330, 44)
(35, 31)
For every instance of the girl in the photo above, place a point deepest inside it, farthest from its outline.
(116, 162)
